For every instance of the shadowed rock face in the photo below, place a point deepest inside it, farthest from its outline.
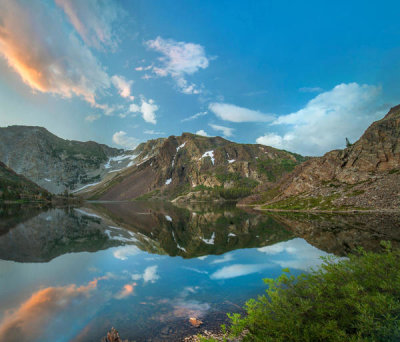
(370, 168)
(342, 234)
(51, 162)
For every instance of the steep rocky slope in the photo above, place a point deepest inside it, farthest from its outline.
(364, 175)
(16, 187)
(191, 166)
(54, 163)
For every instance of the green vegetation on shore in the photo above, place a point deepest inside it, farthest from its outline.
(352, 299)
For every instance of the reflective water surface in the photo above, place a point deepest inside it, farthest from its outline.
(70, 274)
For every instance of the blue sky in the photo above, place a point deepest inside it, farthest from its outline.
(295, 75)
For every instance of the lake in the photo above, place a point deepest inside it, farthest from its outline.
(146, 268)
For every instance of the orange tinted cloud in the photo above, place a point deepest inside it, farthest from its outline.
(28, 321)
(126, 291)
(47, 57)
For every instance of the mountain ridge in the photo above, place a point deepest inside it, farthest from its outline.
(364, 175)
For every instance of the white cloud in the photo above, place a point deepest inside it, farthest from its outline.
(134, 108)
(123, 86)
(237, 270)
(122, 253)
(147, 109)
(93, 20)
(297, 254)
(120, 138)
(225, 258)
(153, 132)
(311, 90)
(324, 123)
(179, 60)
(202, 133)
(230, 112)
(59, 63)
(195, 116)
(92, 118)
(149, 275)
(226, 131)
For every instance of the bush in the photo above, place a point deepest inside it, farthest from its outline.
(357, 299)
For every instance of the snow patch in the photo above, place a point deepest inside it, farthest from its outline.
(231, 234)
(168, 181)
(47, 180)
(119, 159)
(83, 212)
(231, 161)
(86, 186)
(168, 218)
(209, 154)
(209, 241)
(180, 146)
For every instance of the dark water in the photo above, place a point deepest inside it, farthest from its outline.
(70, 274)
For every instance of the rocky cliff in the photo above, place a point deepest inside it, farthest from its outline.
(190, 165)
(54, 163)
(364, 175)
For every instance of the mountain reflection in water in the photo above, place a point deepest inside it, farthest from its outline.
(70, 274)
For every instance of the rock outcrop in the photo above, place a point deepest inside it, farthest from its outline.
(365, 174)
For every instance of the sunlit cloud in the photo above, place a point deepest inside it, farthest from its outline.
(93, 20)
(202, 132)
(122, 139)
(123, 86)
(126, 291)
(47, 57)
(324, 123)
(179, 60)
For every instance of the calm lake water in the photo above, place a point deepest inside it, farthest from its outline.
(70, 274)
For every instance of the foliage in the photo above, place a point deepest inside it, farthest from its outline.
(354, 299)
(273, 168)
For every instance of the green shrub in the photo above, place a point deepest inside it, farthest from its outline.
(357, 299)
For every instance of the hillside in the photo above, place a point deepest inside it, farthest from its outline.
(54, 163)
(195, 167)
(15, 187)
(365, 175)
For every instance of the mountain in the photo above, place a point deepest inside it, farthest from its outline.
(365, 175)
(195, 167)
(155, 227)
(54, 163)
(16, 187)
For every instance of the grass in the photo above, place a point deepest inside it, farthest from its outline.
(305, 203)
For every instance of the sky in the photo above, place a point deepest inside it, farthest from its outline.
(295, 75)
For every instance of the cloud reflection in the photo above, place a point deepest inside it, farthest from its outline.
(31, 318)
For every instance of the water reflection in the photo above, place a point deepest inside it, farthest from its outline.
(147, 268)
